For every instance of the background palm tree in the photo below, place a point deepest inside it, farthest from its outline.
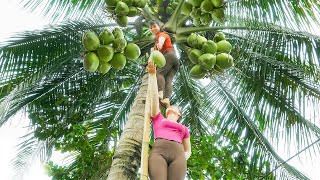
(236, 116)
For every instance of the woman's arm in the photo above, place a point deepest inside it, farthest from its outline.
(153, 89)
(187, 147)
(160, 42)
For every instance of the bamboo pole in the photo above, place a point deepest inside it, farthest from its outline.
(146, 135)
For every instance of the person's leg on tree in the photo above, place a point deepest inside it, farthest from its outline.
(168, 87)
(161, 85)
(161, 74)
(171, 56)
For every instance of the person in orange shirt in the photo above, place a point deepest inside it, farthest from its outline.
(165, 74)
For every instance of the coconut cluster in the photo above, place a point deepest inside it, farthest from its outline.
(203, 12)
(108, 50)
(163, 10)
(209, 56)
(122, 9)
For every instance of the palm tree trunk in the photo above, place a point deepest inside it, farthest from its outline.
(126, 160)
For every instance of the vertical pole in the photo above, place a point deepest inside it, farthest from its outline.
(146, 135)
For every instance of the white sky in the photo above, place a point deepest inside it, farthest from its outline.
(14, 20)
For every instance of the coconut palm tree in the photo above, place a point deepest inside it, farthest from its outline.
(252, 106)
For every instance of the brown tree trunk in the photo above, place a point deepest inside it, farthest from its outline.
(126, 160)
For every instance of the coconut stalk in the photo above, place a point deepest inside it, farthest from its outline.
(146, 135)
(182, 21)
(171, 24)
(180, 38)
(146, 139)
(147, 14)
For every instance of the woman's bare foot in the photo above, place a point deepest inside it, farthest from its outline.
(166, 102)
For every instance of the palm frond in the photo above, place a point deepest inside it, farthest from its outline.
(65, 9)
(233, 117)
(31, 150)
(293, 14)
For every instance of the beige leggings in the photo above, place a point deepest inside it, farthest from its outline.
(167, 161)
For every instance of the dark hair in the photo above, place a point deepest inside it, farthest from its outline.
(152, 22)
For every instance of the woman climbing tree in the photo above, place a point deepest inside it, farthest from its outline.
(165, 74)
(172, 140)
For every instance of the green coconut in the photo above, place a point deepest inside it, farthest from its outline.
(122, 20)
(104, 67)
(206, 6)
(161, 10)
(186, 8)
(224, 60)
(91, 62)
(174, 5)
(218, 174)
(195, 3)
(142, 4)
(90, 41)
(128, 2)
(119, 45)
(133, 11)
(195, 13)
(105, 53)
(112, 3)
(158, 58)
(197, 72)
(200, 41)
(192, 39)
(218, 15)
(219, 37)
(209, 47)
(159, 3)
(139, 3)
(117, 33)
(196, 22)
(169, 10)
(132, 51)
(206, 18)
(122, 9)
(106, 37)
(118, 61)
(207, 61)
(217, 3)
(224, 46)
(194, 55)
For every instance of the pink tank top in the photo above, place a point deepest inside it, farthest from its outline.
(166, 129)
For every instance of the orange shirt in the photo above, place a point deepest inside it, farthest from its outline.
(167, 42)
